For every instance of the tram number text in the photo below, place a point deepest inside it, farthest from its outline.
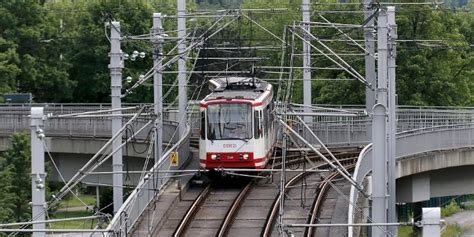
(230, 145)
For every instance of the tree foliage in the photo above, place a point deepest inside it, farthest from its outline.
(58, 50)
(434, 73)
(15, 180)
(34, 55)
(9, 66)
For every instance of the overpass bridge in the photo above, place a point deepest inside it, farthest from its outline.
(434, 149)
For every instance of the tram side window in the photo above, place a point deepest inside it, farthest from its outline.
(271, 114)
(203, 125)
(267, 119)
(256, 125)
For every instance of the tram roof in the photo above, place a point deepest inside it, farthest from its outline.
(237, 88)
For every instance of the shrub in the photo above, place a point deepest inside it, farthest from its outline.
(450, 209)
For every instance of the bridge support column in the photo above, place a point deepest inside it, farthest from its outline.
(38, 175)
(116, 65)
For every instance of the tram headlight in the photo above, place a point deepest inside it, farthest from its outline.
(246, 156)
(213, 157)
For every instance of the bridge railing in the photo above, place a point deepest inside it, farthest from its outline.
(435, 138)
(333, 129)
(97, 127)
(145, 193)
(16, 119)
(412, 142)
(348, 125)
(414, 118)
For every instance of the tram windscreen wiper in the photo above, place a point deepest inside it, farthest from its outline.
(238, 138)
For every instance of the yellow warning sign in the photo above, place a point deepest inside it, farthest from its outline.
(174, 159)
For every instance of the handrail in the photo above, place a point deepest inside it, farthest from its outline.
(467, 109)
(116, 225)
(434, 128)
(363, 156)
(352, 202)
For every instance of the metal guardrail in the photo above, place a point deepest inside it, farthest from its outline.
(352, 130)
(434, 138)
(333, 130)
(412, 142)
(146, 192)
(80, 127)
(423, 124)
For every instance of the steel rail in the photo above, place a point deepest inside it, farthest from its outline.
(237, 203)
(183, 225)
(235, 207)
(322, 191)
(272, 214)
(227, 222)
(233, 210)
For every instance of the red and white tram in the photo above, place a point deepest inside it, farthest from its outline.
(237, 124)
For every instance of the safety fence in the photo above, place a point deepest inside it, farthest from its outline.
(147, 191)
(340, 125)
(409, 143)
(16, 119)
(350, 125)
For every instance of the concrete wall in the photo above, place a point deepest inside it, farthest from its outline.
(434, 160)
(435, 174)
(70, 153)
(69, 164)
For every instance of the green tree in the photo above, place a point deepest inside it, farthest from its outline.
(9, 69)
(7, 200)
(88, 47)
(15, 180)
(30, 30)
(433, 73)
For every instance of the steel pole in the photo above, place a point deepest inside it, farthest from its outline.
(392, 122)
(369, 61)
(379, 130)
(182, 87)
(382, 49)
(379, 169)
(157, 41)
(38, 175)
(306, 12)
(281, 210)
(431, 222)
(116, 65)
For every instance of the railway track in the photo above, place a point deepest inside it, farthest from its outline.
(297, 209)
(330, 206)
(241, 209)
(212, 211)
(323, 191)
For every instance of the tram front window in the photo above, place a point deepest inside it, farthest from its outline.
(229, 121)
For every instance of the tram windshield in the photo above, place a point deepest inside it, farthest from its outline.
(229, 121)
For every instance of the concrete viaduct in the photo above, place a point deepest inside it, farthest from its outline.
(435, 146)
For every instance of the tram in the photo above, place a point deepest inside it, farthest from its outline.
(237, 124)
